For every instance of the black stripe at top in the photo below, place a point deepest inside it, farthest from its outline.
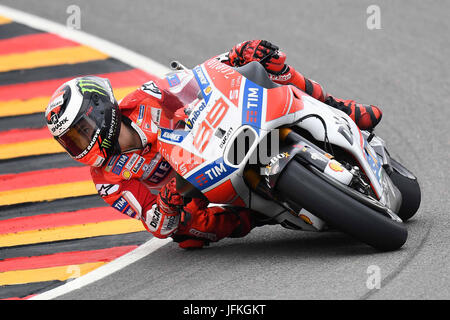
(62, 71)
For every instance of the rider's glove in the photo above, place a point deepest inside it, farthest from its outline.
(258, 50)
(164, 217)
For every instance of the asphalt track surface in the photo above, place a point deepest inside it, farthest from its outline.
(402, 67)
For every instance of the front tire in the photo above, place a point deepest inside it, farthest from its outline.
(409, 187)
(299, 185)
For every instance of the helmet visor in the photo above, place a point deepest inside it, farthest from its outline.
(81, 137)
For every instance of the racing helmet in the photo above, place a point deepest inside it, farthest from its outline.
(84, 117)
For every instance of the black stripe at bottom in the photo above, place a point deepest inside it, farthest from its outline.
(38, 162)
(95, 243)
(26, 289)
(61, 205)
(26, 121)
(86, 244)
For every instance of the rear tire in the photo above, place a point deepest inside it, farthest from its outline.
(299, 185)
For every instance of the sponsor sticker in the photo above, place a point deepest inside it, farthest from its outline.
(373, 161)
(141, 115)
(273, 165)
(203, 82)
(152, 89)
(138, 165)
(335, 166)
(98, 162)
(132, 161)
(194, 116)
(173, 135)
(173, 80)
(123, 206)
(211, 174)
(252, 104)
(201, 76)
(306, 219)
(156, 115)
(106, 189)
(170, 224)
(148, 168)
(160, 173)
(153, 218)
(126, 174)
(120, 164)
(111, 163)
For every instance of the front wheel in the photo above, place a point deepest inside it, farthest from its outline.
(409, 187)
(299, 185)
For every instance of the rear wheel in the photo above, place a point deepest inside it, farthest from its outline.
(309, 190)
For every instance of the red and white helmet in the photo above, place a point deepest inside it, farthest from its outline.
(84, 117)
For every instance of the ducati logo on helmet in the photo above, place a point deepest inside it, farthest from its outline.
(52, 117)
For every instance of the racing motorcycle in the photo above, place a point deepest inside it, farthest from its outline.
(247, 141)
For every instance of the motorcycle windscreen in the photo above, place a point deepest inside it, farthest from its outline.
(186, 89)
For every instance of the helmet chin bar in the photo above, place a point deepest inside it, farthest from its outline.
(110, 133)
(113, 148)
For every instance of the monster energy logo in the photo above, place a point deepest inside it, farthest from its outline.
(106, 143)
(89, 85)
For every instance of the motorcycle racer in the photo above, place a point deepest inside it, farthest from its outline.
(119, 142)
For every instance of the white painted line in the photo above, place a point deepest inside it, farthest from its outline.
(133, 59)
(105, 270)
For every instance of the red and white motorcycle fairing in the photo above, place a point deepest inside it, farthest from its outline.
(232, 107)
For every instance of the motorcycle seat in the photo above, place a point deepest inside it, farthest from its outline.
(256, 73)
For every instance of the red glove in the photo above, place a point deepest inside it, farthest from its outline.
(164, 217)
(258, 50)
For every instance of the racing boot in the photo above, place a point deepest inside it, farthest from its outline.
(366, 117)
(249, 219)
(258, 219)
